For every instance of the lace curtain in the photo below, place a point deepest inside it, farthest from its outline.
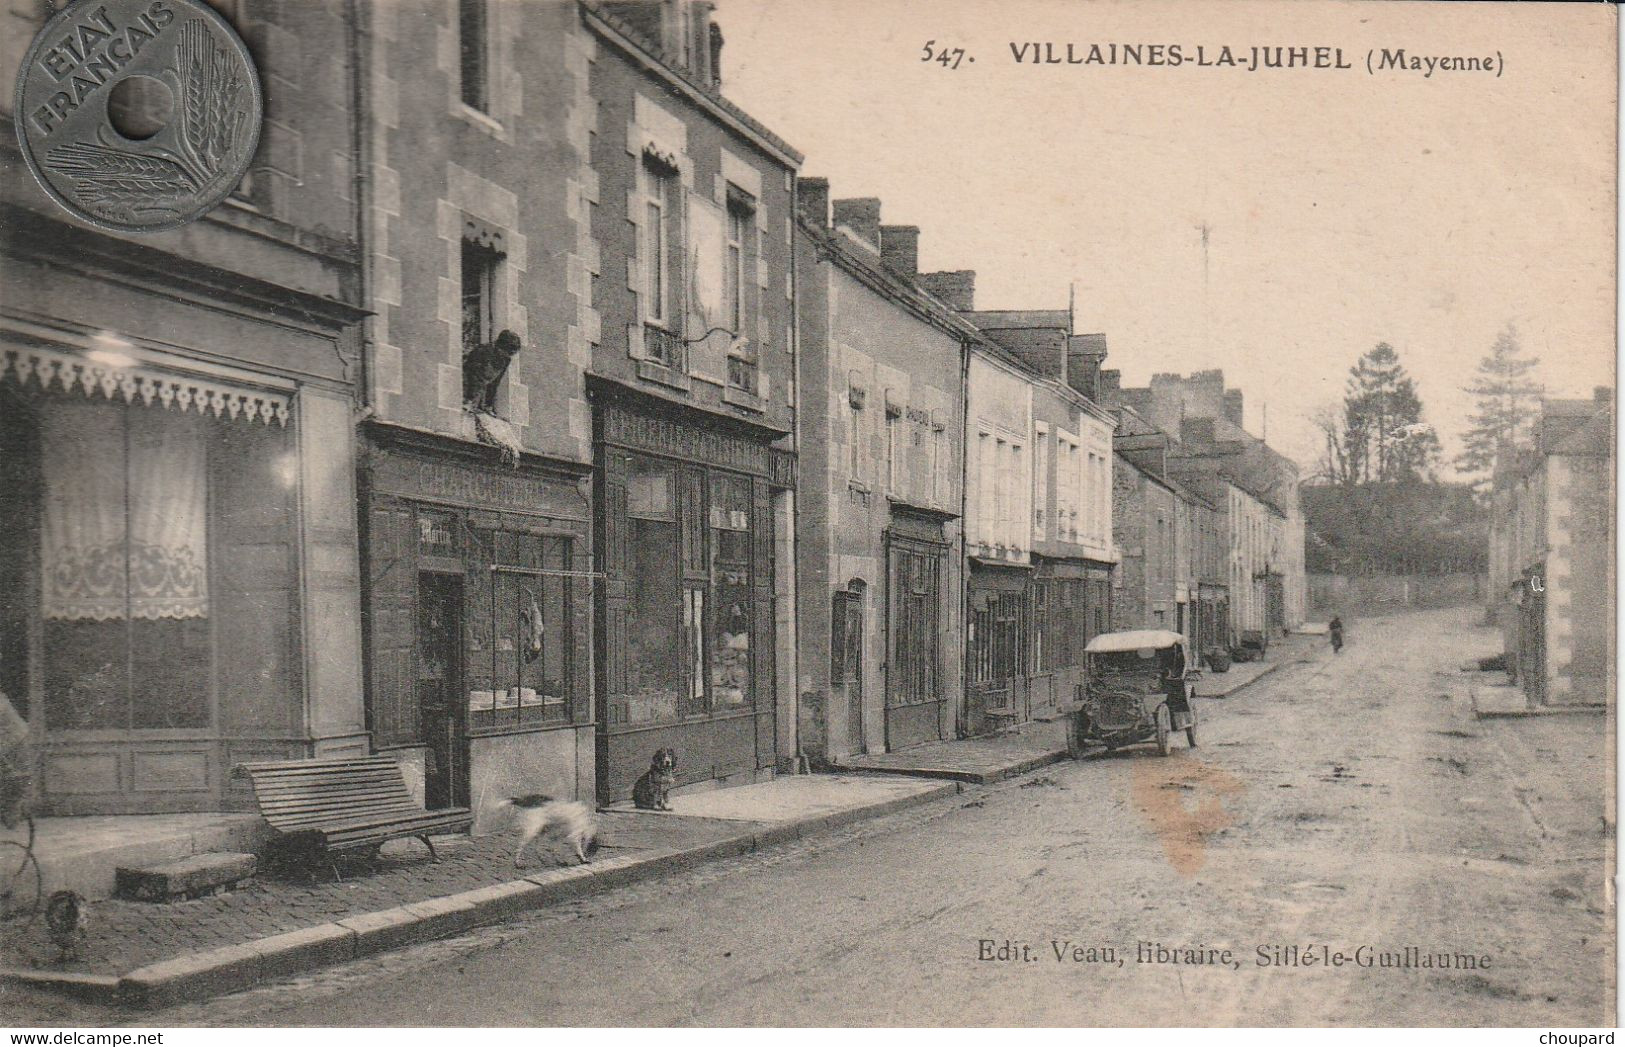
(125, 517)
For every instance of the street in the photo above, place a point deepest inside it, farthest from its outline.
(1339, 803)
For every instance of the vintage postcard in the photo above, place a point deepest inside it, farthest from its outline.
(807, 513)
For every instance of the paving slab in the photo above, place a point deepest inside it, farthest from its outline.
(980, 761)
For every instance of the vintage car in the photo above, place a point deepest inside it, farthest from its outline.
(1139, 689)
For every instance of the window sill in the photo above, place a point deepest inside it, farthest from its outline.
(650, 371)
(482, 120)
(742, 399)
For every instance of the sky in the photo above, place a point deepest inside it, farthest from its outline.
(1342, 208)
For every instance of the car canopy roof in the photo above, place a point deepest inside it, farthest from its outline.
(1134, 640)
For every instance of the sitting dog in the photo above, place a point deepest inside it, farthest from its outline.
(570, 819)
(652, 792)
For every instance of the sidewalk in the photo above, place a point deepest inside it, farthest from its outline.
(1501, 700)
(979, 761)
(1029, 746)
(155, 955)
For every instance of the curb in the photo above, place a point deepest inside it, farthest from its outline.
(1531, 713)
(1270, 668)
(1014, 770)
(233, 968)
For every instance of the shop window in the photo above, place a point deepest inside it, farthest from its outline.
(915, 607)
(995, 637)
(521, 658)
(473, 40)
(660, 619)
(730, 520)
(145, 539)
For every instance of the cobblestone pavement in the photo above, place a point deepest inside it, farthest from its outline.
(124, 935)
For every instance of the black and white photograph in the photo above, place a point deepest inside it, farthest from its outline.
(810, 514)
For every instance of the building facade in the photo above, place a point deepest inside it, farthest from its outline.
(1552, 549)
(1206, 421)
(178, 548)
(475, 477)
(879, 567)
(692, 392)
(1069, 598)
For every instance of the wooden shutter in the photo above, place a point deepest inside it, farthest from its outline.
(764, 631)
(391, 623)
(612, 653)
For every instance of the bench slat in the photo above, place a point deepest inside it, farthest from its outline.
(344, 803)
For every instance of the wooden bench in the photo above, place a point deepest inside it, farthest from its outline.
(321, 807)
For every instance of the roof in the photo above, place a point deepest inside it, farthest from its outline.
(602, 20)
(1592, 438)
(1020, 319)
(867, 267)
(1133, 640)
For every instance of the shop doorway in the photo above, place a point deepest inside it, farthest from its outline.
(440, 689)
(846, 668)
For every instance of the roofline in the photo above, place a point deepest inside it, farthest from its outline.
(883, 282)
(720, 109)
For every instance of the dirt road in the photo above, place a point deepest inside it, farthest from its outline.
(1341, 805)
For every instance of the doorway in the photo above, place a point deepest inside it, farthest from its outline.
(846, 664)
(440, 689)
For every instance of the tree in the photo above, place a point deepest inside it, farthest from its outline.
(1508, 401)
(1333, 466)
(1384, 436)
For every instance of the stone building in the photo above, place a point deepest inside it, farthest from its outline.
(1069, 599)
(476, 474)
(577, 480)
(880, 578)
(1551, 555)
(692, 390)
(1206, 420)
(1145, 517)
(178, 573)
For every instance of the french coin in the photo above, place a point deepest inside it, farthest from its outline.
(138, 115)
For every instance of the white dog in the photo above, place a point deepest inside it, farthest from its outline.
(570, 819)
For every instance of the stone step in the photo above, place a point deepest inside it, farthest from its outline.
(186, 878)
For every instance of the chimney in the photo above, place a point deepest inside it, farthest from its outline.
(862, 216)
(715, 42)
(812, 200)
(957, 288)
(1601, 394)
(900, 249)
(1111, 383)
(1232, 407)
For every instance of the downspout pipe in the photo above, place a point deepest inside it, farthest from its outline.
(964, 531)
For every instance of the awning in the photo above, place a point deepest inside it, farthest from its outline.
(139, 381)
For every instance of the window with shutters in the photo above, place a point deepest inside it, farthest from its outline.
(739, 278)
(473, 41)
(659, 249)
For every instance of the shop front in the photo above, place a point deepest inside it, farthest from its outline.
(479, 615)
(917, 620)
(996, 644)
(168, 604)
(686, 644)
(1069, 608)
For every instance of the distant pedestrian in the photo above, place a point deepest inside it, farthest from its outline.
(1336, 630)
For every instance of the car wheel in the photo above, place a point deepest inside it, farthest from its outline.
(1164, 728)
